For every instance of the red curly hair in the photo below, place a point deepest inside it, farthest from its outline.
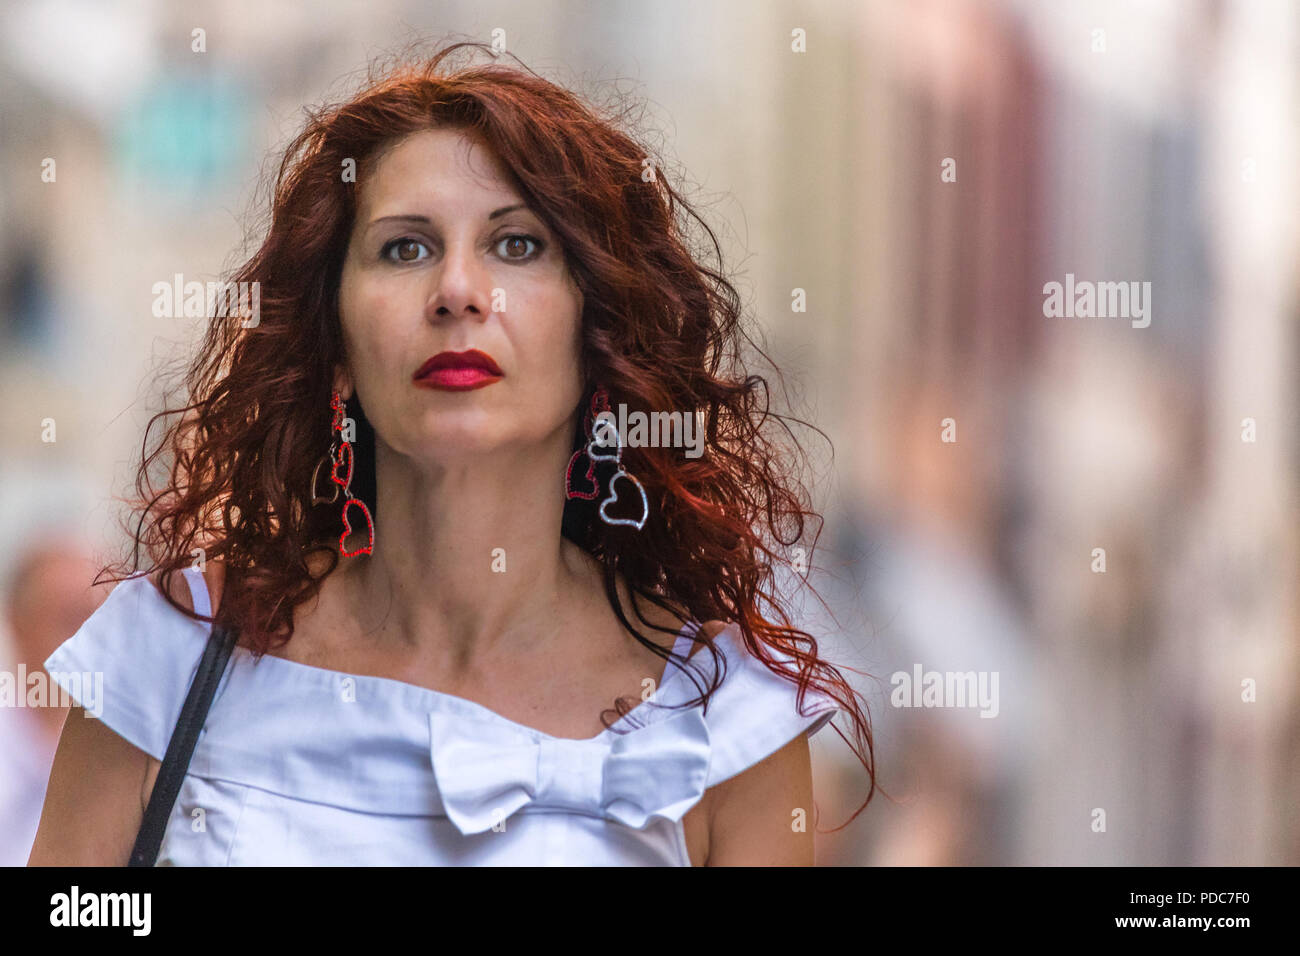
(660, 330)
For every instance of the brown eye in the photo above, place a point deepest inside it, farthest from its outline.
(518, 244)
(408, 250)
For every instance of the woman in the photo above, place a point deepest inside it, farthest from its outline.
(398, 484)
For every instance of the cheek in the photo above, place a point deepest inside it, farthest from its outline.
(367, 312)
(551, 346)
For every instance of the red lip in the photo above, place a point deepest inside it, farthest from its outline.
(458, 371)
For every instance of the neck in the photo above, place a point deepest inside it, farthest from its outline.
(468, 556)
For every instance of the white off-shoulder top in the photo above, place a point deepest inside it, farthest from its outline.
(302, 766)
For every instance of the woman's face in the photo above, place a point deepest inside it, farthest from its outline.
(444, 257)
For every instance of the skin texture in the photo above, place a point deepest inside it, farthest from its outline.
(463, 477)
(92, 806)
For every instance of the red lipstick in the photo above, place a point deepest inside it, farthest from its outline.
(458, 371)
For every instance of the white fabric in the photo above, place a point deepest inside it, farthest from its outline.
(300, 765)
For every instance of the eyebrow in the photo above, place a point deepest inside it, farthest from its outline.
(425, 219)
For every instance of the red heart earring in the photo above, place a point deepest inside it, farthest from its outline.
(599, 403)
(340, 460)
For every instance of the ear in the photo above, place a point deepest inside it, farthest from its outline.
(342, 382)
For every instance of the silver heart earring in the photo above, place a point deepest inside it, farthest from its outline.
(602, 421)
(623, 473)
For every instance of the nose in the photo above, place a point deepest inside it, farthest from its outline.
(461, 286)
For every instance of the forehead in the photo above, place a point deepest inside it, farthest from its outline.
(443, 166)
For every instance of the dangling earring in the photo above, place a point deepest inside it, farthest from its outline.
(594, 451)
(599, 403)
(340, 457)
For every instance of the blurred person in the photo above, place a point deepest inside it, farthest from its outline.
(436, 592)
(937, 601)
(47, 597)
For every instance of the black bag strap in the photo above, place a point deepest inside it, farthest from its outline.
(181, 746)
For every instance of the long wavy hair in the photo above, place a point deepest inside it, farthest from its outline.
(660, 330)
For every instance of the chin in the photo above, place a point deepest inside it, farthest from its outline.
(451, 442)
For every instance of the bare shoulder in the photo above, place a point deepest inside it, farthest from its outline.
(710, 629)
(755, 816)
(762, 816)
(93, 805)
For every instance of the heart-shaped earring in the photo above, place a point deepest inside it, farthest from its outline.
(342, 463)
(347, 529)
(569, 490)
(603, 427)
(613, 497)
(599, 403)
(342, 455)
(600, 424)
(317, 498)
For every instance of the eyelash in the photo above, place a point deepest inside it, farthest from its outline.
(394, 243)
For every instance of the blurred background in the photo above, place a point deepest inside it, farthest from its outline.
(1100, 516)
